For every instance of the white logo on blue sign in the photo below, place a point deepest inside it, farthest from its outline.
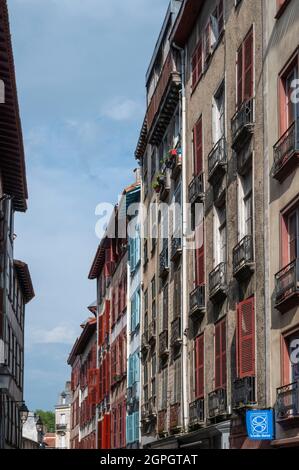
(260, 424)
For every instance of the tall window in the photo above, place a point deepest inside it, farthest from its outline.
(165, 309)
(288, 107)
(153, 289)
(245, 219)
(213, 30)
(177, 294)
(196, 64)
(199, 367)
(219, 235)
(218, 115)
(290, 358)
(220, 354)
(177, 381)
(246, 338)
(290, 236)
(164, 379)
(154, 368)
(245, 70)
(198, 147)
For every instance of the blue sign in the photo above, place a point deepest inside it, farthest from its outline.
(260, 425)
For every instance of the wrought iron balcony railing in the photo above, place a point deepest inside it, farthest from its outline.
(145, 411)
(217, 160)
(197, 412)
(244, 392)
(175, 421)
(287, 402)
(218, 282)
(176, 335)
(165, 180)
(287, 286)
(152, 331)
(163, 344)
(197, 300)
(164, 260)
(243, 123)
(286, 152)
(217, 403)
(61, 427)
(144, 340)
(196, 189)
(162, 421)
(176, 247)
(152, 409)
(243, 258)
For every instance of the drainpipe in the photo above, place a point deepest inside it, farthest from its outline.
(185, 317)
(97, 365)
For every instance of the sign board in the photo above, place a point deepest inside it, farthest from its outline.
(260, 425)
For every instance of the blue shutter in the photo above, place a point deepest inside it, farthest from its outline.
(130, 430)
(136, 426)
(136, 367)
(131, 371)
(137, 245)
(133, 312)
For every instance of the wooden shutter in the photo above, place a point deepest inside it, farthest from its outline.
(248, 66)
(200, 257)
(107, 317)
(196, 64)
(220, 17)
(207, 41)
(240, 77)
(220, 354)
(199, 366)
(108, 372)
(198, 147)
(246, 338)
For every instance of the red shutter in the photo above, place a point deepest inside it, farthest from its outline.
(108, 375)
(220, 17)
(196, 64)
(240, 78)
(246, 338)
(107, 317)
(198, 147)
(199, 366)
(248, 66)
(220, 354)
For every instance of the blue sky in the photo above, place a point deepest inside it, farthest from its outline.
(80, 69)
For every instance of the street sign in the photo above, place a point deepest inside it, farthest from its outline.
(260, 425)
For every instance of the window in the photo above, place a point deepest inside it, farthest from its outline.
(245, 219)
(177, 381)
(220, 354)
(245, 72)
(198, 147)
(200, 251)
(290, 236)
(154, 367)
(246, 338)
(288, 106)
(199, 367)
(281, 6)
(218, 115)
(164, 325)
(135, 311)
(196, 64)
(154, 228)
(164, 381)
(219, 235)
(177, 213)
(290, 358)
(153, 288)
(213, 30)
(153, 162)
(177, 294)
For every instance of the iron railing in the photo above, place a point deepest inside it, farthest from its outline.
(197, 300)
(287, 145)
(217, 158)
(152, 331)
(196, 189)
(287, 281)
(217, 403)
(176, 246)
(287, 401)
(175, 416)
(243, 118)
(164, 260)
(176, 335)
(244, 392)
(197, 412)
(162, 421)
(243, 253)
(217, 279)
(163, 343)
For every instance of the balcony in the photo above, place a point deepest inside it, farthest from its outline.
(164, 260)
(196, 412)
(197, 301)
(196, 189)
(175, 421)
(163, 344)
(244, 158)
(176, 335)
(244, 392)
(217, 403)
(164, 101)
(287, 402)
(165, 180)
(145, 412)
(162, 422)
(152, 332)
(287, 287)
(243, 259)
(61, 427)
(176, 166)
(132, 394)
(218, 283)
(144, 341)
(217, 161)
(176, 247)
(152, 411)
(219, 191)
(286, 153)
(243, 124)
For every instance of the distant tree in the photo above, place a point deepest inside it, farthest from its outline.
(48, 419)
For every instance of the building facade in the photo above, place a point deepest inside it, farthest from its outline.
(84, 386)
(16, 288)
(281, 73)
(63, 418)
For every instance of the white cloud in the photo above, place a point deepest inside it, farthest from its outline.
(57, 335)
(122, 109)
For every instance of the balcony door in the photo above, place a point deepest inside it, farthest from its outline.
(245, 206)
(290, 237)
(218, 115)
(289, 107)
(294, 357)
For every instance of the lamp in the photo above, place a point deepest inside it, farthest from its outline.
(23, 412)
(39, 425)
